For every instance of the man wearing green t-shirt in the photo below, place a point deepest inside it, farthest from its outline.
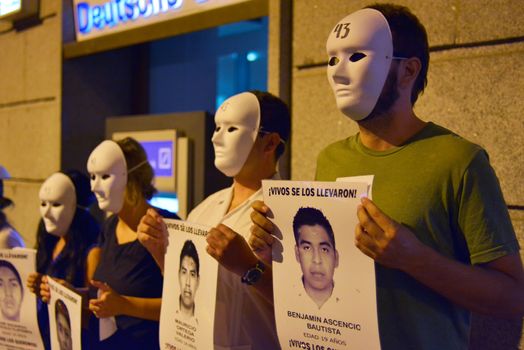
(437, 228)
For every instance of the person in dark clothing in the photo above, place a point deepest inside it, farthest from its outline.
(128, 280)
(67, 239)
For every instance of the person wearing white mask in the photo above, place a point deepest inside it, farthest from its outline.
(250, 135)
(128, 280)
(437, 228)
(9, 237)
(66, 239)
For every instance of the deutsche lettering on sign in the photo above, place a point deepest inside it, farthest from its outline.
(115, 12)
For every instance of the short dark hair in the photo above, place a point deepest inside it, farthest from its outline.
(140, 180)
(311, 217)
(189, 250)
(61, 309)
(274, 117)
(409, 40)
(4, 203)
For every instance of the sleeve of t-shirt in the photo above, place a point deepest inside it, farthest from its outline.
(5, 239)
(483, 215)
(10, 239)
(15, 240)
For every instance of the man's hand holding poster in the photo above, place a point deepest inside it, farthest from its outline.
(324, 287)
(65, 317)
(190, 282)
(18, 320)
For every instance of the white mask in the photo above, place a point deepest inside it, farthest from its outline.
(57, 204)
(360, 50)
(108, 171)
(237, 122)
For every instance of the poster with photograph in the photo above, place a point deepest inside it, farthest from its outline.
(190, 282)
(65, 317)
(18, 321)
(324, 287)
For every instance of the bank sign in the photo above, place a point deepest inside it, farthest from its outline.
(160, 156)
(95, 18)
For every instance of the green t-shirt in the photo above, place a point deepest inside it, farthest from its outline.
(443, 188)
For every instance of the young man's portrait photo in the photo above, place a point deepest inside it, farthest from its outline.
(189, 278)
(11, 291)
(316, 253)
(63, 326)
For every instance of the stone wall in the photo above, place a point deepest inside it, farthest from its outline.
(30, 112)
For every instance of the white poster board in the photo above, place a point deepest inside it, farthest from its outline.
(190, 282)
(324, 287)
(18, 319)
(65, 317)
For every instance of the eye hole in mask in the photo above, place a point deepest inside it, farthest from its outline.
(43, 204)
(232, 128)
(56, 204)
(333, 61)
(357, 56)
(217, 129)
(106, 176)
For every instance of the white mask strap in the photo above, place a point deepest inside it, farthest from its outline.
(264, 132)
(137, 166)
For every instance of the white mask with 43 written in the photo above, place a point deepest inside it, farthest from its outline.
(360, 50)
(108, 173)
(57, 204)
(237, 123)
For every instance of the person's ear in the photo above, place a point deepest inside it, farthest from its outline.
(272, 142)
(336, 258)
(408, 71)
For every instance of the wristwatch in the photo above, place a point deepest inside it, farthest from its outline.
(254, 274)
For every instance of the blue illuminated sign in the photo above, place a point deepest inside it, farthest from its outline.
(115, 12)
(97, 18)
(160, 156)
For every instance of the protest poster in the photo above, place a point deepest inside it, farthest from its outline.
(190, 282)
(18, 319)
(65, 317)
(367, 179)
(324, 287)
